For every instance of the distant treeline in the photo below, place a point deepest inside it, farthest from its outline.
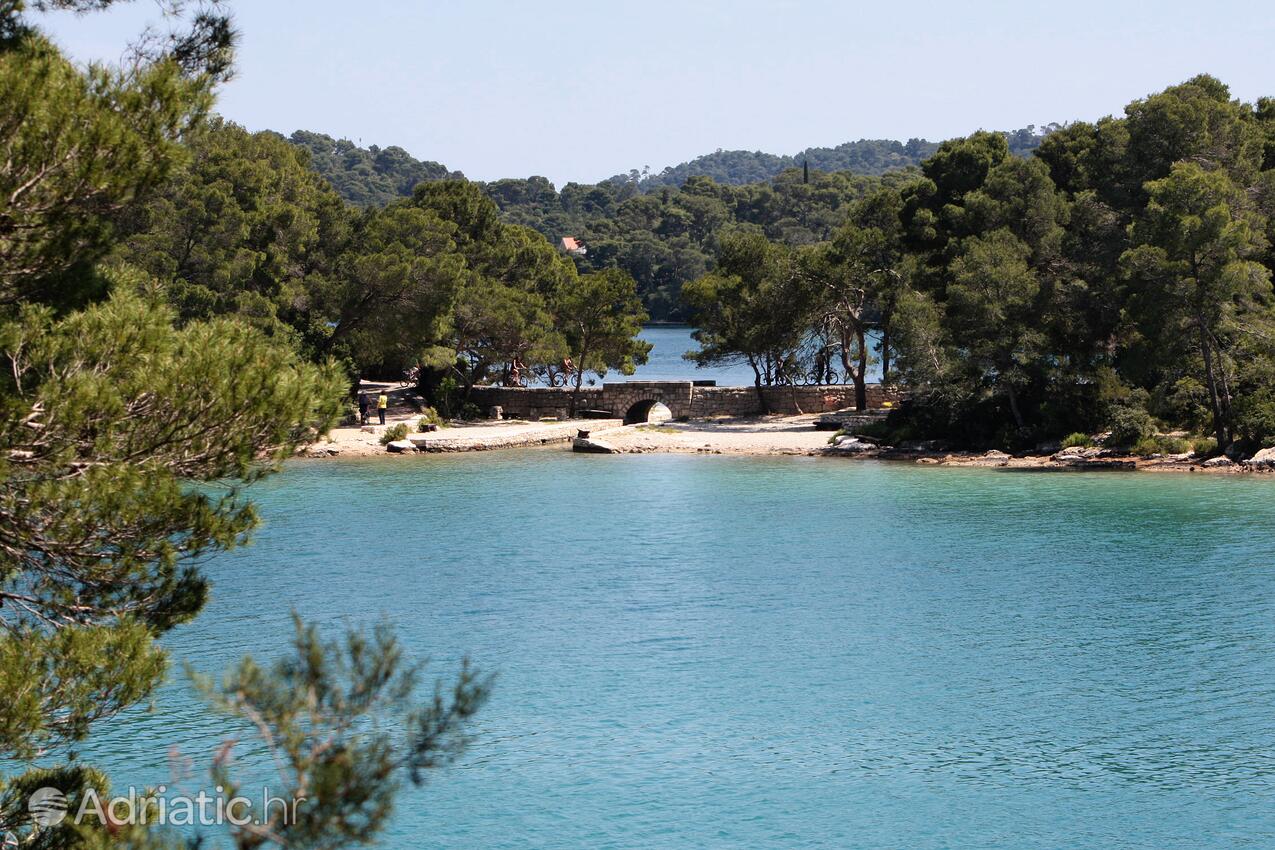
(368, 177)
(865, 156)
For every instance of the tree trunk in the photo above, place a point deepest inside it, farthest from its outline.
(861, 374)
(1014, 409)
(761, 396)
(1215, 400)
(578, 380)
(857, 375)
(885, 355)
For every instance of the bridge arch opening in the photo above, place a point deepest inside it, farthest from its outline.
(648, 410)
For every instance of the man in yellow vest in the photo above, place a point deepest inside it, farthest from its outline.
(382, 402)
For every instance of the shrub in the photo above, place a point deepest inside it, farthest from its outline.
(430, 416)
(1128, 425)
(394, 432)
(1153, 445)
(447, 397)
(1205, 447)
(1146, 446)
(876, 430)
(1077, 440)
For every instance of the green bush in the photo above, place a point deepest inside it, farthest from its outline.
(394, 432)
(1157, 445)
(876, 430)
(447, 397)
(430, 416)
(1128, 425)
(1077, 440)
(1146, 446)
(1205, 447)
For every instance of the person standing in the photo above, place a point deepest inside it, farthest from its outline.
(363, 405)
(382, 403)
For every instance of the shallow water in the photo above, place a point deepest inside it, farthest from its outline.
(791, 652)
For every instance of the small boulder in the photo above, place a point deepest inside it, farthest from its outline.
(589, 445)
(996, 454)
(400, 446)
(1265, 459)
(1219, 462)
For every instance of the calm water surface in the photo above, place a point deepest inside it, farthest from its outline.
(726, 652)
(665, 363)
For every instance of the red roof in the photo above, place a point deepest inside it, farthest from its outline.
(569, 243)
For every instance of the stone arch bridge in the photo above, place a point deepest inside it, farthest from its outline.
(633, 401)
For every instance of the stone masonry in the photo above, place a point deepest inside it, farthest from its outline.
(683, 399)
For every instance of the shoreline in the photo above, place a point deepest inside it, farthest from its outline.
(766, 436)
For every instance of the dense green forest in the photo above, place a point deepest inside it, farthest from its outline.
(1118, 280)
(865, 156)
(245, 228)
(664, 239)
(379, 175)
(368, 176)
(660, 229)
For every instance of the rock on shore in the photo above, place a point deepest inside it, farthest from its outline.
(1265, 459)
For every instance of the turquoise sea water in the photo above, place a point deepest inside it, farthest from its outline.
(786, 653)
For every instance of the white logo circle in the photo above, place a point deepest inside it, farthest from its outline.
(47, 807)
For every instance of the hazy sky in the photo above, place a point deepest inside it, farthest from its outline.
(584, 90)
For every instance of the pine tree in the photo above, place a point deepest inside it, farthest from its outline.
(126, 442)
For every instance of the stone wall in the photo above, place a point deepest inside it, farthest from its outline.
(743, 401)
(535, 402)
(683, 398)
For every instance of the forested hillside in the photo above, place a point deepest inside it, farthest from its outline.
(379, 175)
(368, 176)
(866, 156)
(662, 229)
(666, 238)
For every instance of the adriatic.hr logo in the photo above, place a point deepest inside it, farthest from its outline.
(47, 807)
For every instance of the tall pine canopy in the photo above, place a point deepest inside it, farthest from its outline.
(151, 305)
